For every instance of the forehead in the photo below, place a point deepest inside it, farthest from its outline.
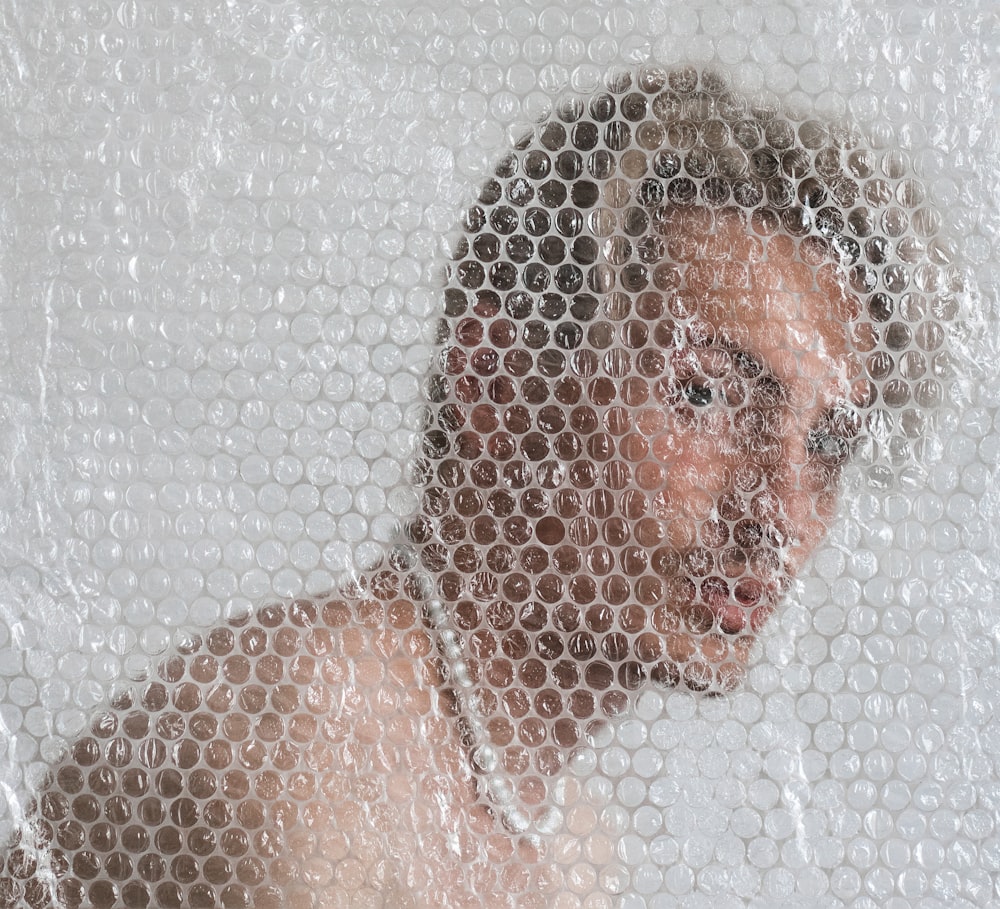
(779, 296)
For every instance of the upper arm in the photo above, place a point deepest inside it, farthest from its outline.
(266, 765)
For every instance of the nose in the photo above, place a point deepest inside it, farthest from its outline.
(698, 452)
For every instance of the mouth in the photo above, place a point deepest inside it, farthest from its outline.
(737, 607)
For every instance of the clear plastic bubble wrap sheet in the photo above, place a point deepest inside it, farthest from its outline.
(476, 454)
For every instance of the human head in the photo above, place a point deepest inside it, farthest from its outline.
(661, 329)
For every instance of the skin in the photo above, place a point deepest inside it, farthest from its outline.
(309, 757)
(792, 320)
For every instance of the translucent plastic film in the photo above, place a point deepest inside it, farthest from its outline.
(499, 455)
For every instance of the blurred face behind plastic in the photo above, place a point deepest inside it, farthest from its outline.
(642, 511)
(747, 429)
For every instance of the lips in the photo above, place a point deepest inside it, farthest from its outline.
(749, 600)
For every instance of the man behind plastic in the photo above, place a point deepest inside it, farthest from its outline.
(659, 333)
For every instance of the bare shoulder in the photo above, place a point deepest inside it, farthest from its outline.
(290, 760)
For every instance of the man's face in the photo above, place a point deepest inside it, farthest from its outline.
(636, 506)
(744, 434)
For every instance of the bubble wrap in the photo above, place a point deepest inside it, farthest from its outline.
(499, 454)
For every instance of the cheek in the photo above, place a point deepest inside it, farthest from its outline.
(800, 509)
(820, 480)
